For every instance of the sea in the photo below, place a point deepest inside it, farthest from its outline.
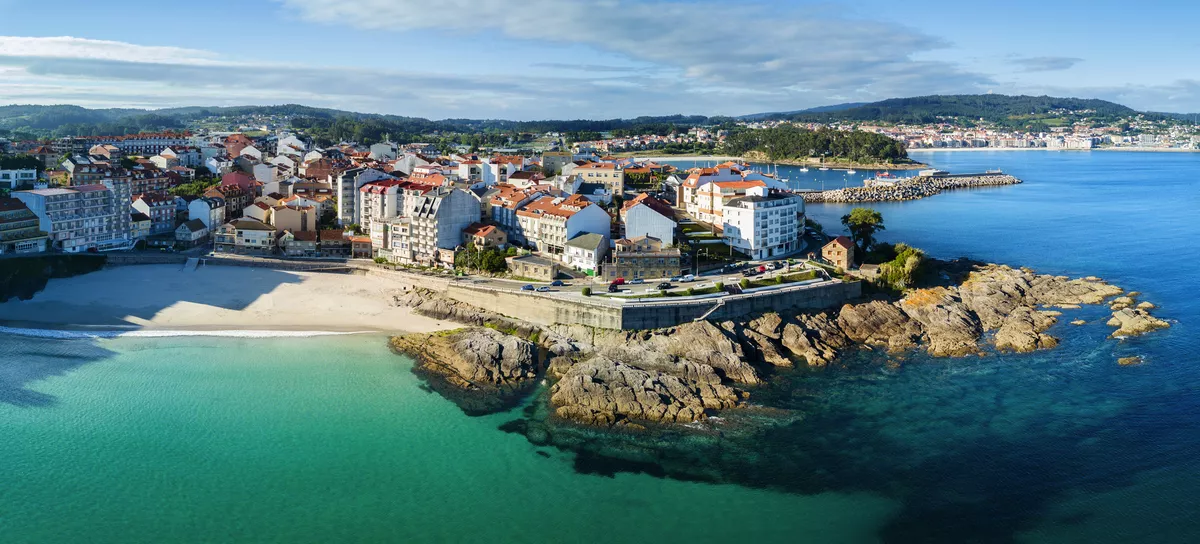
(108, 438)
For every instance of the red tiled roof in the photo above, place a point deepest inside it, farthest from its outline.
(841, 241)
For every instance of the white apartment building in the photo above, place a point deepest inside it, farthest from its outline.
(82, 218)
(764, 224)
(433, 221)
(348, 185)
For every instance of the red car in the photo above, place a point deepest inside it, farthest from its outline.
(619, 281)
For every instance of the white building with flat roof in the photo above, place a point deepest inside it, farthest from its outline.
(764, 224)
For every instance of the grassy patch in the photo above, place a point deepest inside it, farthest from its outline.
(790, 278)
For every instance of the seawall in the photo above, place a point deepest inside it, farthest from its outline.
(552, 310)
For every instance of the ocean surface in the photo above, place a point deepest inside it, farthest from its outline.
(333, 439)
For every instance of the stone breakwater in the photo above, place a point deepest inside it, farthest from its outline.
(912, 189)
(685, 374)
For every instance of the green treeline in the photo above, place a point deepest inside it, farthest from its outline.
(788, 142)
(1012, 111)
(23, 277)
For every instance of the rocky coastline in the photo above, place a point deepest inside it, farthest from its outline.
(913, 189)
(633, 380)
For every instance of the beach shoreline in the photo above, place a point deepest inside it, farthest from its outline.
(164, 298)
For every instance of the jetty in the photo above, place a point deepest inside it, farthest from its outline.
(929, 183)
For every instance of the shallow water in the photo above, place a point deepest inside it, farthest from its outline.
(334, 439)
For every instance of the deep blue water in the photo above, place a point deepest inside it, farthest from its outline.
(1058, 446)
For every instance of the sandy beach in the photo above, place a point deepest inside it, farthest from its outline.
(163, 297)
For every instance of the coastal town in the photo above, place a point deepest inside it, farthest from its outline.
(554, 215)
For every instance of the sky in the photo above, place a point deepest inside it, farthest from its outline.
(568, 59)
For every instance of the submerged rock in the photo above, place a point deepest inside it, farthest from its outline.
(1130, 361)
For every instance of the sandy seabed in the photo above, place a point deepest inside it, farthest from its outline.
(219, 298)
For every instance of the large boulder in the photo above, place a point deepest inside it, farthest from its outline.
(698, 342)
(482, 370)
(879, 323)
(1022, 331)
(1134, 322)
(816, 338)
(604, 392)
(951, 329)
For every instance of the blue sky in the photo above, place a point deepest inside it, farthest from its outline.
(536, 59)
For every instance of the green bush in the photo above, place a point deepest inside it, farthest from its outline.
(778, 280)
(719, 286)
(380, 260)
(744, 284)
(689, 292)
(587, 291)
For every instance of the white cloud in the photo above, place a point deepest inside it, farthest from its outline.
(708, 42)
(83, 48)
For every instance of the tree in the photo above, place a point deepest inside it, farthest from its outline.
(863, 223)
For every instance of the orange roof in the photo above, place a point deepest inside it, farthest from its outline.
(841, 241)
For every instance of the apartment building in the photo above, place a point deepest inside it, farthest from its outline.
(610, 175)
(435, 222)
(547, 222)
(348, 184)
(82, 218)
(245, 237)
(159, 208)
(764, 224)
(17, 179)
(645, 215)
(20, 230)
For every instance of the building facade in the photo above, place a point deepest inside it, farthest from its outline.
(764, 224)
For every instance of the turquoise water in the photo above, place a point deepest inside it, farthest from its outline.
(333, 439)
(324, 440)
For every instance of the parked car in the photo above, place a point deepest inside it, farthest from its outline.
(619, 281)
(526, 287)
(557, 283)
(687, 278)
(664, 286)
(750, 273)
(637, 281)
(613, 287)
(676, 279)
(543, 289)
(776, 265)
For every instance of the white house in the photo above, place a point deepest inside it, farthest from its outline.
(209, 210)
(14, 179)
(586, 252)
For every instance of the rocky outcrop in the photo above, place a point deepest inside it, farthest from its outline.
(1022, 331)
(879, 323)
(481, 369)
(1134, 322)
(816, 338)
(951, 329)
(686, 373)
(604, 392)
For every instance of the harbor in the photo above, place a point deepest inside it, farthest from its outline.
(891, 189)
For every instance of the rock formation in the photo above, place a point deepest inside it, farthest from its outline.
(476, 365)
(685, 373)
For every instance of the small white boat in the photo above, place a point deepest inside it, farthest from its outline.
(803, 168)
(851, 171)
(824, 168)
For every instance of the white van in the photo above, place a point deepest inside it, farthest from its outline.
(688, 278)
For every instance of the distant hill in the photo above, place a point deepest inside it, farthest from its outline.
(785, 114)
(997, 108)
